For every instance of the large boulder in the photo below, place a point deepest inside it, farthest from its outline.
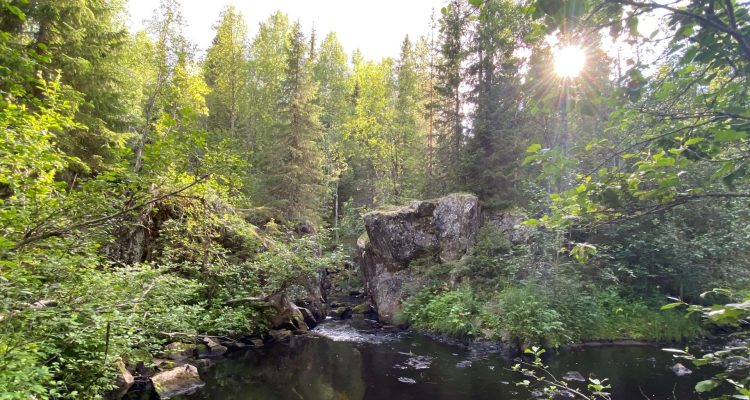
(510, 223)
(123, 383)
(440, 230)
(177, 381)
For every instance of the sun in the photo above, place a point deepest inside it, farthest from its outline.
(569, 61)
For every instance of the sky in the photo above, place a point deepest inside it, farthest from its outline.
(377, 27)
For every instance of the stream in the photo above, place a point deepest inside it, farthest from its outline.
(353, 360)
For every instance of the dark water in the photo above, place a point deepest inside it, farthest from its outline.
(357, 363)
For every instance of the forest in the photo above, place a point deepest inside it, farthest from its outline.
(153, 192)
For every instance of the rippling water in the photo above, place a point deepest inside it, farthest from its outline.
(353, 360)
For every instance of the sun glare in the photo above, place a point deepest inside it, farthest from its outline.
(569, 61)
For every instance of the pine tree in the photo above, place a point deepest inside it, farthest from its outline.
(296, 180)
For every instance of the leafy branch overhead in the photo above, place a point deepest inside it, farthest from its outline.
(680, 135)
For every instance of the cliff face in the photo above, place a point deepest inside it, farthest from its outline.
(443, 228)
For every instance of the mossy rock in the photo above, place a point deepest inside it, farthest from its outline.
(363, 308)
(181, 351)
(177, 381)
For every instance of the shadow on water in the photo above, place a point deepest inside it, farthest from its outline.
(358, 362)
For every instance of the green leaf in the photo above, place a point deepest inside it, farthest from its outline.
(16, 11)
(689, 55)
(476, 3)
(531, 222)
(534, 148)
(706, 386)
(665, 162)
(729, 135)
(671, 306)
(632, 23)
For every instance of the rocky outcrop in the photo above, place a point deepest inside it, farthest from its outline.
(439, 230)
(177, 381)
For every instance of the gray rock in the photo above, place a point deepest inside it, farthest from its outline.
(456, 220)
(574, 376)
(681, 370)
(203, 362)
(177, 381)
(510, 224)
(308, 316)
(363, 308)
(436, 230)
(124, 382)
(280, 335)
(407, 380)
(234, 345)
(342, 312)
(215, 348)
(288, 315)
(163, 365)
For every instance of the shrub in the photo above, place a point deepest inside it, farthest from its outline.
(449, 312)
(523, 314)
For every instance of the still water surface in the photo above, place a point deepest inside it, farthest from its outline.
(355, 362)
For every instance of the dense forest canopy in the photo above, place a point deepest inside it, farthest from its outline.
(147, 188)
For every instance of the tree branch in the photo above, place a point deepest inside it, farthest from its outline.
(718, 25)
(95, 221)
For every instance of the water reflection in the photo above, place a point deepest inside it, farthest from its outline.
(307, 368)
(405, 366)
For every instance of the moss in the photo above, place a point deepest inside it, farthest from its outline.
(361, 308)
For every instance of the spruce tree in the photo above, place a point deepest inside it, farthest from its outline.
(492, 154)
(85, 44)
(409, 154)
(332, 74)
(296, 181)
(450, 80)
